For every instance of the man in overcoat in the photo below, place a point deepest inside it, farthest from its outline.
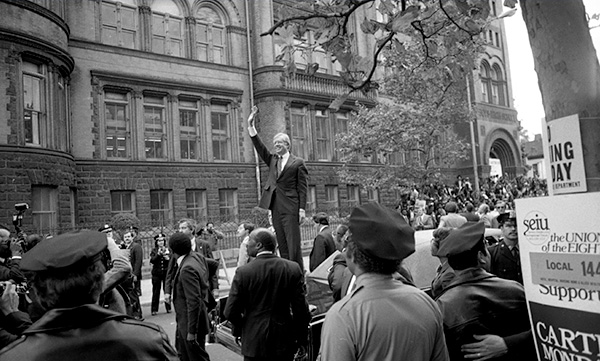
(267, 303)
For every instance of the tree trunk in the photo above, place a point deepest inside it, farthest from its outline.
(568, 70)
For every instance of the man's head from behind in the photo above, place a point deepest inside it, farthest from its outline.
(451, 207)
(465, 247)
(180, 243)
(379, 239)
(261, 239)
(281, 143)
(67, 270)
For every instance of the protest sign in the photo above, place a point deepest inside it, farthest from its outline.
(559, 241)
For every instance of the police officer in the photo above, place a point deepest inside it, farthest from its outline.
(383, 319)
(67, 274)
(485, 316)
(506, 261)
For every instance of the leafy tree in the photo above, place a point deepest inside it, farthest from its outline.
(423, 52)
(412, 130)
(123, 222)
(442, 27)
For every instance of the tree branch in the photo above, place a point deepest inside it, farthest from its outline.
(387, 39)
(452, 20)
(344, 14)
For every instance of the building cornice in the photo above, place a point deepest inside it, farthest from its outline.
(42, 11)
(5, 148)
(45, 46)
(298, 95)
(137, 163)
(130, 80)
(89, 45)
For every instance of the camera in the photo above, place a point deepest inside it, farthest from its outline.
(20, 288)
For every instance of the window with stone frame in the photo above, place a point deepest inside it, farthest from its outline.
(122, 202)
(161, 207)
(372, 195)
(44, 208)
(35, 117)
(155, 145)
(486, 82)
(499, 86)
(299, 118)
(189, 129)
(332, 201)
(220, 132)
(323, 135)
(195, 203)
(119, 23)
(167, 28)
(341, 123)
(228, 204)
(117, 124)
(353, 195)
(311, 199)
(211, 35)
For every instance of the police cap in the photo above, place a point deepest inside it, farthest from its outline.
(381, 232)
(65, 250)
(507, 216)
(462, 239)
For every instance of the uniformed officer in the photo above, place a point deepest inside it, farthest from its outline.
(383, 319)
(506, 261)
(485, 316)
(67, 274)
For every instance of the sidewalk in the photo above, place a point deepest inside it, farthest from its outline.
(224, 284)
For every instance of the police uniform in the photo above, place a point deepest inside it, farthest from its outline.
(87, 331)
(383, 319)
(505, 261)
(479, 303)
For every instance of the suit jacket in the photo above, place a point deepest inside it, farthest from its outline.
(190, 295)
(267, 303)
(136, 257)
(503, 264)
(291, 185)
(424, 221)
(323, 247)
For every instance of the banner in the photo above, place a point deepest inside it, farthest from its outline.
(559, 241)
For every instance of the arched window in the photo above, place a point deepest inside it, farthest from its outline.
(167, 28)
(119, 23)
(211, 40)
(484, 74)
(499, 83)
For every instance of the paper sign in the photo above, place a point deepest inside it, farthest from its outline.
(564, 154)
(559, 241)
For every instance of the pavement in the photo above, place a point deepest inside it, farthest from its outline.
(225, 278)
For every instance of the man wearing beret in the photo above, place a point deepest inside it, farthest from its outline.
(66, 273)
(190, 298)
(267, 304)
(323, 245)
(383, 319)
(506, 261)
(485, 316)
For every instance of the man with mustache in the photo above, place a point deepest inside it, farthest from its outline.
(505, 259)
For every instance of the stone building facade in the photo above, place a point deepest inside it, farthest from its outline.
(139, 106)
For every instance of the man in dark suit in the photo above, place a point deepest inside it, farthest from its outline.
(136, 256)
(190, 295)
(323, 245)
(284, 192)
(506, 261)
(267, 304)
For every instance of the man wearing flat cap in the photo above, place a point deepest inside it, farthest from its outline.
(383, 319)
(485, 316)
(506, 261)
(323, 245)
(66, 273)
